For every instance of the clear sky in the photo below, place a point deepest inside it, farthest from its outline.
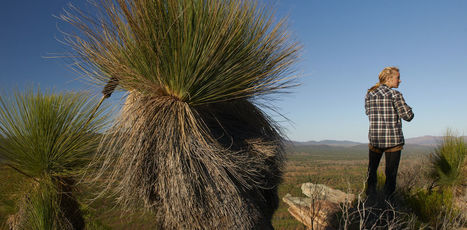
(346, 44)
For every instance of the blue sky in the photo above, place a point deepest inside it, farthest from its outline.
(346, 44)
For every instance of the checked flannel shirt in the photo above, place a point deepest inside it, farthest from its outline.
(385, 107)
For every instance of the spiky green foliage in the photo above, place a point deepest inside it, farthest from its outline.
(48, 134)
(49, 139)
(198, 51)
(449, 162)
(189, 144)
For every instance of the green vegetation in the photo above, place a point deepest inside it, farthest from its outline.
(448, 163)
(435, 205)
(428, 205)
(48, 139)
(199, 52)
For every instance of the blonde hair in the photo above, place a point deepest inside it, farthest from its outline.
(385, 74)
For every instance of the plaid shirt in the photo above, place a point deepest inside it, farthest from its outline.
(385, 107)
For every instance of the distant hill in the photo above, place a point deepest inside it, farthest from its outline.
(361, 149)
(334, 143)
(427, 140)
(417, 145)
(423, 141)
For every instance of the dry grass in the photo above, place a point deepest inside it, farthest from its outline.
(198, 168)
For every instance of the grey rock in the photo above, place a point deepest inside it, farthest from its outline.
(316, 209)
(323, 192)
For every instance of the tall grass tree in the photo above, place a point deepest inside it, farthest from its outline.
(190, 143)
(48, 138)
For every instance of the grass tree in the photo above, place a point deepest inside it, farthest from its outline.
(448, 163)
(49, 139)
(442, 205)
(190, 143)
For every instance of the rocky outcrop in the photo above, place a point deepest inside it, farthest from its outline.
(316, 210)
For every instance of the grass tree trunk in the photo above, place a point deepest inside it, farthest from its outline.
(48, 207)
(206, 167)
(190, 143)
(69, 205)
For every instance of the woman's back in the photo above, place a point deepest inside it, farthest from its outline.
(385, 107)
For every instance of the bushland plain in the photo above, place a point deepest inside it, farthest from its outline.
(340, 167)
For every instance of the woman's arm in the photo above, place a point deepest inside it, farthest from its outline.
(367, 105)
(403, 110)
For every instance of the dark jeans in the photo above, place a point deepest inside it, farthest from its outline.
(392, 164)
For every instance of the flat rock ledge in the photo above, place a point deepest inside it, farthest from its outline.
(316, 209)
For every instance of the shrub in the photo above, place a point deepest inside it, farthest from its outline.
(448, 162)
(48, 139)
(428, 205)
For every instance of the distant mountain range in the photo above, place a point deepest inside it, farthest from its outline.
(423, 141)
(334, 143)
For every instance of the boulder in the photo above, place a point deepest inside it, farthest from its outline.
(323, 192)
(316, 210)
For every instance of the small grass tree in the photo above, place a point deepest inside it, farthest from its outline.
(439, 205)
(190, 143)
(448, 163)
(49, 139)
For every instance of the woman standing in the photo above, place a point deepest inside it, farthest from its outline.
(385, 107)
